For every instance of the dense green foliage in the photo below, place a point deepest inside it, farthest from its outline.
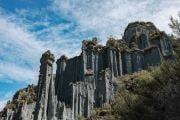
(150, 95)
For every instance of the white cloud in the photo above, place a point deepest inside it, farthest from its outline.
(18, 48)
(110, 17)
(166, 9)
(5, 98)
(14, 72)
(8, 95)
(21, 49)
(2, 104)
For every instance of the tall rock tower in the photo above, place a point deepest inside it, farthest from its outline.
(45, 78)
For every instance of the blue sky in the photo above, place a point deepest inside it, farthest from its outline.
(30, 27)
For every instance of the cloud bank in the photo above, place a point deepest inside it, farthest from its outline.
(112, 16)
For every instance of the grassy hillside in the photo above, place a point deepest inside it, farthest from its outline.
(148, 95)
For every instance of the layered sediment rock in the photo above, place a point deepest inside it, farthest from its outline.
(87, 81)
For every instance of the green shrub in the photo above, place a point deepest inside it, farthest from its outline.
(150, 95)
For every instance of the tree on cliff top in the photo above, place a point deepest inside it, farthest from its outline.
(175, 25)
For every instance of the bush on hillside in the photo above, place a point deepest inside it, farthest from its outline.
(154, 95)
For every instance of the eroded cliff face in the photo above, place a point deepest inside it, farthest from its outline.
(22, 106)
(87, 81)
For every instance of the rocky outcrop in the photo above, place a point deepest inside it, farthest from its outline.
(87, 81)
(22, 106)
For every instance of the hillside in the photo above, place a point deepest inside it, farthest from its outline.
(120, 80)
(152, 94)
(23, 101)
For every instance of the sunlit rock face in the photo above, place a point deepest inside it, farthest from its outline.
(87, 81)
(22, 106)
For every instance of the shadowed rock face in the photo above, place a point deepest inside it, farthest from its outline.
(87, 81)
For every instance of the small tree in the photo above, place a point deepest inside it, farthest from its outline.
(175, 25)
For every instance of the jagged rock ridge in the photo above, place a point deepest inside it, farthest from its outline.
(22, 105)
(87, 81)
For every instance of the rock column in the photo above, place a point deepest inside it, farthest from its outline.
(46, 75)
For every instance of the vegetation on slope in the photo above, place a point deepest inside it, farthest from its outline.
(153, 94)
(148, 95)
(23, 96)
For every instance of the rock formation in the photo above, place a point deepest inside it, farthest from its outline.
(22, 106)
(87, 81)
